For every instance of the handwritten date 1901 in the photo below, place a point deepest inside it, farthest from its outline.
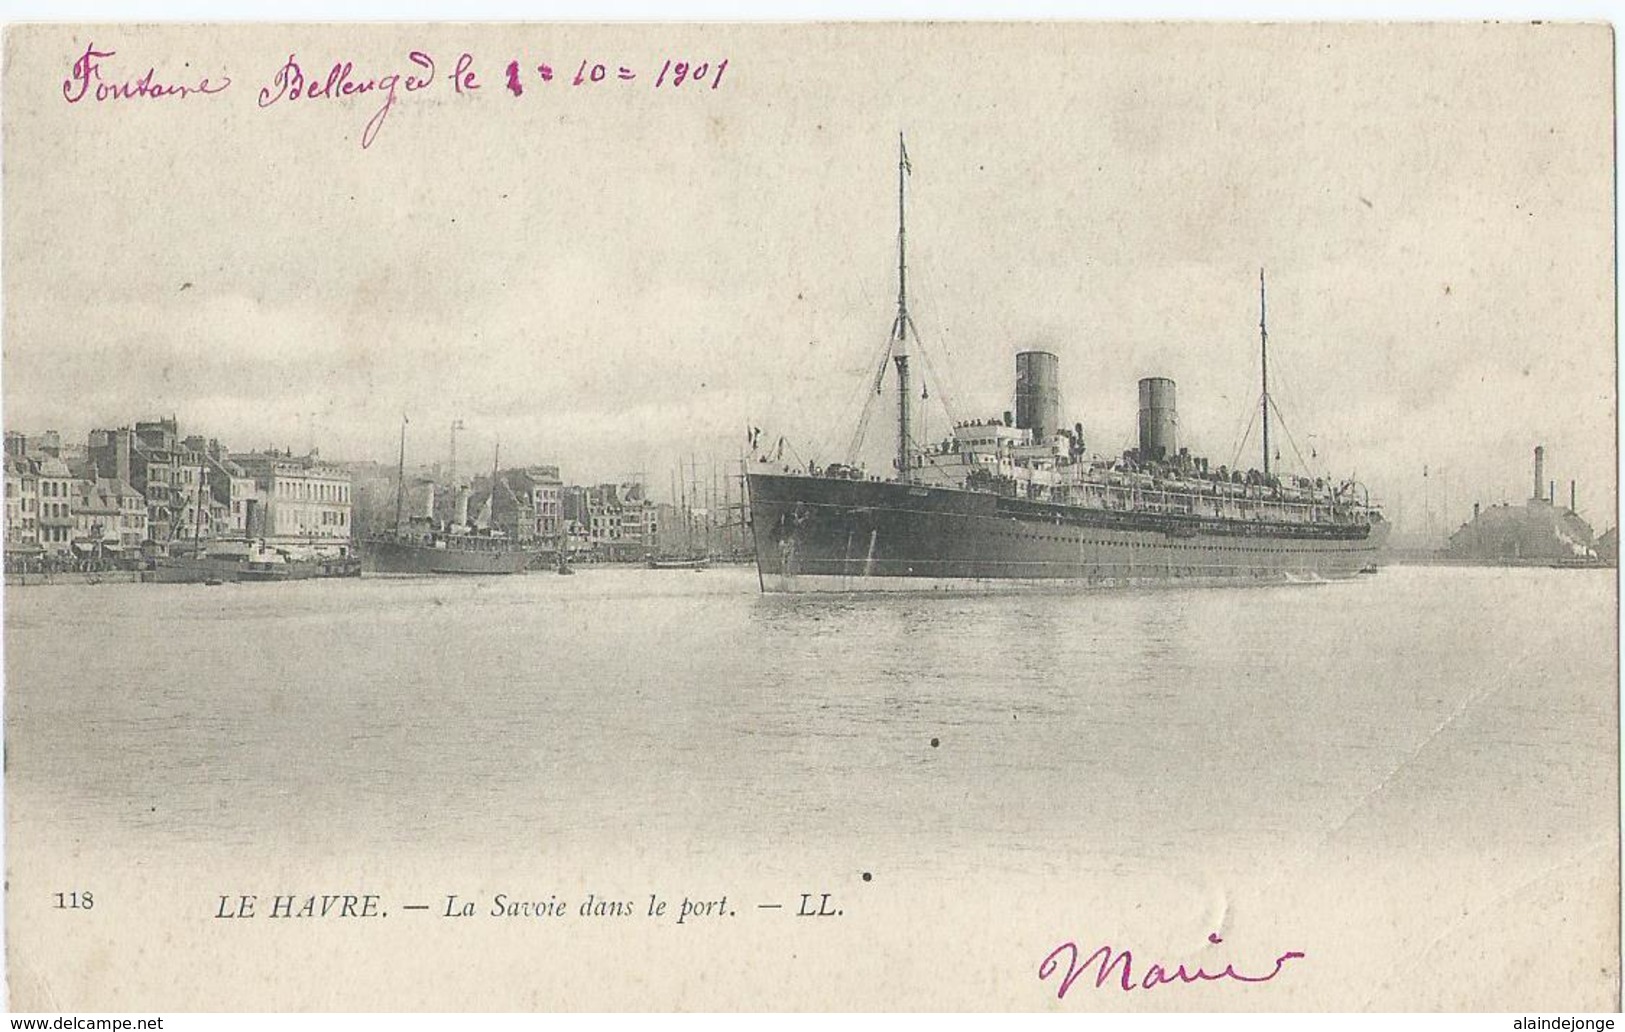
(673, 73)
(343, 81)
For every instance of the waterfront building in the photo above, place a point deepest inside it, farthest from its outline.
(236, 506)
(172, 478)
(527, 506)
(620, 522)
(56, 521)
(510, 509)
(640, 523)
(132, 524)
(577, 539)
(22, 502)
(245, 506)
(109, 515)
(545, 488)
(95, 516)
(604, 529)
(34, 446)
(307, 501)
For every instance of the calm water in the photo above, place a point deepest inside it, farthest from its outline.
(1455, 726)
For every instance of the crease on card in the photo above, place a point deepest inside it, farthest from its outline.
(1544, 876)
(1466, 703)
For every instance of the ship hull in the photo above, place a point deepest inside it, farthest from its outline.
(388, 556)
(824, 534)
(191, 570)
(679, 564)
(229, 570)
(300, 569)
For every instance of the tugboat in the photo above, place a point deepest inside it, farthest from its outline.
(673, 562)
(261, 563)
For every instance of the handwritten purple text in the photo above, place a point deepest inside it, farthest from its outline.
(379, 90)
(86, 79)
(1122, 963)
(341, 81)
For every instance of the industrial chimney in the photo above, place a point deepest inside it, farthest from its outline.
(1038, 393)
(1540, 471)
(122, 445)
(1159, 422)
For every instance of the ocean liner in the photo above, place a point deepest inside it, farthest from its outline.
(1017, 500)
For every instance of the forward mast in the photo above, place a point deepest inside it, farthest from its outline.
(902, 325)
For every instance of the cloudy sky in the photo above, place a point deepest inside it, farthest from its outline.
(614, 275)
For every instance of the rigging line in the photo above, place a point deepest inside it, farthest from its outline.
(1243, 431)
(1289, 439)
(870, 384)
(926, 266)
(1238, 427)
(1252, 419)
(1284, 375)
(797, 455)
(1284, 380)
(944, 389)
(1310, 438)
(849, 410)
(1129, 442)
(871, 391)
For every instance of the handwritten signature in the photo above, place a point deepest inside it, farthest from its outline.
(1122, 962)
(87, 71)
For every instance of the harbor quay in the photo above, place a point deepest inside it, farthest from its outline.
(148, 502)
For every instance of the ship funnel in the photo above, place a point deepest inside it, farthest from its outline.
(462, 506)
(1038, 393)
(1159, 420)
(1540, 471)
(428, 501)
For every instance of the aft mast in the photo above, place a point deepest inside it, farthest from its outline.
(901, 327)
(1264, 365)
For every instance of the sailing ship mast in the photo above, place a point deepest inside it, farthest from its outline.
(901, 327)
(1264, 365)
(197, 527)
(496, 460)
(400, 477)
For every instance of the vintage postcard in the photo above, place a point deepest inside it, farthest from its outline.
(1039, 517)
